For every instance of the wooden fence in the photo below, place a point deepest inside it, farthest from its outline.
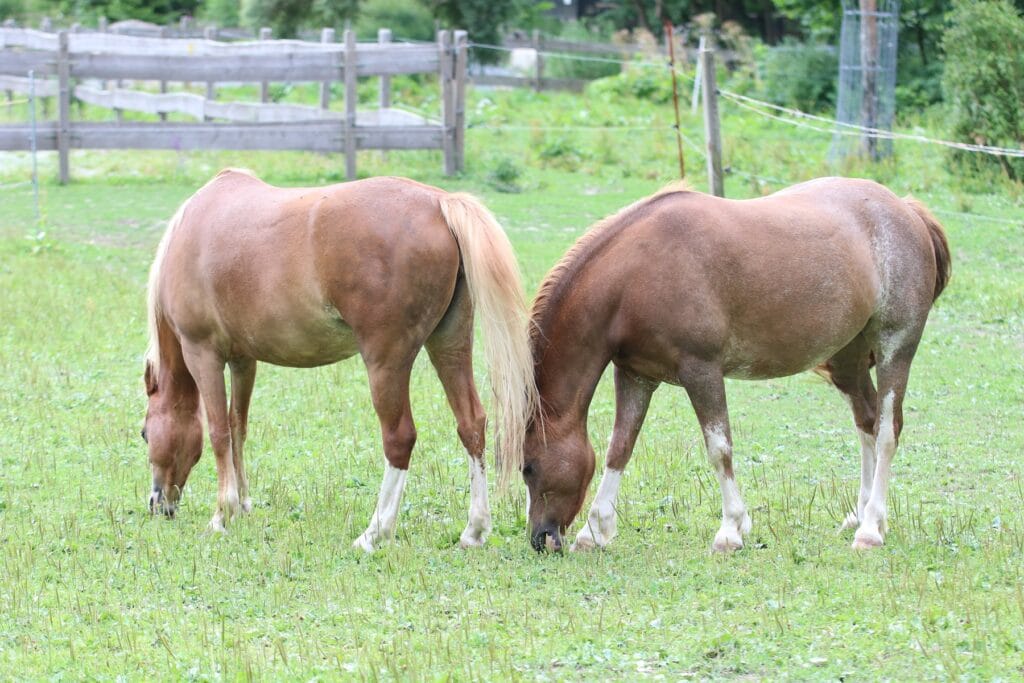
(59, 60)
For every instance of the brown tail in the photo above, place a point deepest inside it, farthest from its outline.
(940, 245)
(495, 285)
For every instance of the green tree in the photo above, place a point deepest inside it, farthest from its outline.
(483, 19)
(983, 81)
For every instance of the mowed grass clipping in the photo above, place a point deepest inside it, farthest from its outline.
(93, 587)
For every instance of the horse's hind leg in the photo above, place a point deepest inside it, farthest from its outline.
(389, 388)
(243, 376)
(896, 353)
(451, 351)
(632, 397)
(705, 385)
(850, 372)
(208, 370)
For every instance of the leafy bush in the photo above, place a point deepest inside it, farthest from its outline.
(407, 19)
(650, 83)
(984, 82)
(11, 9)
(587, 68)
(504, 175)
(799, 75)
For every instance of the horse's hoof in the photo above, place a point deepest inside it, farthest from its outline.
(867, 540)
(247, 506)
(584, 544)
(727, 541)
(216, 527)
(468, 540)
(364, 543)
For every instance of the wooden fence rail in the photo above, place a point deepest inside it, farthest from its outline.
(77, 57)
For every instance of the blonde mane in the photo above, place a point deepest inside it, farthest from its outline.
(569, 263)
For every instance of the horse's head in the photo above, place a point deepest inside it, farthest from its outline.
(174, 433)
(557, 467)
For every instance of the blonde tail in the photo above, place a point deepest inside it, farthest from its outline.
(495, 286)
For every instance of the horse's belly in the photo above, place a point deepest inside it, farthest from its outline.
(301, 346)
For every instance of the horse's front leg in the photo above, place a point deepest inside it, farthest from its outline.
(705, 385)
(208, 370)
(389, 387)
(243, 376)
(632, 397)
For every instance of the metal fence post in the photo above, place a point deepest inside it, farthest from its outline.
(265, 34)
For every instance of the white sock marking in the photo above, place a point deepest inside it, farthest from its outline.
(479, 513)
(382, 525)
(601, 526)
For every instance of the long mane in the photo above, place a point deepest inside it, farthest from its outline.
(552, 285)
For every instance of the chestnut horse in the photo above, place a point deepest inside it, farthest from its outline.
(684, 288)
(302, 277)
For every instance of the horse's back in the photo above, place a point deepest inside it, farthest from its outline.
(292, 275)
(769, 286)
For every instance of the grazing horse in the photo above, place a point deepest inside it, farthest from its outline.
(834, 274)
(303, 277)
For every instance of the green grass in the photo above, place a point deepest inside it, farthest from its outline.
(91, 586)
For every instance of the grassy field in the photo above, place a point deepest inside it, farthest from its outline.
(93, 587)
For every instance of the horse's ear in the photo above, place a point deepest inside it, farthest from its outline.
(150, 379)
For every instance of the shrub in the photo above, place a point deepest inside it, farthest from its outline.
(407, 19)
(799, 75)
(504, 175)
(586, 68)
(983, 82)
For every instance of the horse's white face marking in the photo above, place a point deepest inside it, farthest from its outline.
(382, 525)
(479, 513)
(600, 528)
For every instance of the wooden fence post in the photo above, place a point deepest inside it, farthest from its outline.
(350, 104)
(538, 80)
(63, 107)
(383, 38)
(265, 34)
(209, 33)
(326, 37)
(461, 56)
(712, 133)
(447, 68)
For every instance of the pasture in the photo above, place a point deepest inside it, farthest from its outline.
(92, 586)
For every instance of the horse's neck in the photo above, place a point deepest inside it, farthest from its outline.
(570, 367)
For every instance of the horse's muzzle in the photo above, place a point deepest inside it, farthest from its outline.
(158, 504)
(546, 537)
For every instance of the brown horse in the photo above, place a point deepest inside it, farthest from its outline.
(302, 277)
(684, 288)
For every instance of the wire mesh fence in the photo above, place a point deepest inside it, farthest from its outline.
(867, 75)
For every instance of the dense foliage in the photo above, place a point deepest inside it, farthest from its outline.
(984, 80)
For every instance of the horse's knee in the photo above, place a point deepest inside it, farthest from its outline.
(471, 433)
(398, 444)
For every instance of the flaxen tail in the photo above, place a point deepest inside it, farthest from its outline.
(495, 285)
(940, 245)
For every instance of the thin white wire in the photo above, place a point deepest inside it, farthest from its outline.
(579, 58)
(853, 129)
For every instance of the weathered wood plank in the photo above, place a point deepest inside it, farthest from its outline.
(20, 63)
(19, 138)
(43, 87)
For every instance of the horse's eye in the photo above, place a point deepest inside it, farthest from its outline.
(528, 470)
(143, 435)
